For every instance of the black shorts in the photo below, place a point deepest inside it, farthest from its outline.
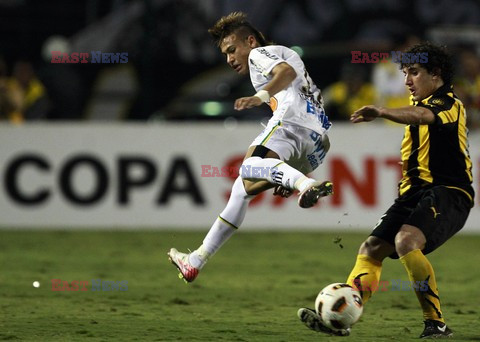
(439, 212)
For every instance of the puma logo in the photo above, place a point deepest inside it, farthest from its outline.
(435, 214)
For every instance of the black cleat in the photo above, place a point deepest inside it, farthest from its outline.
(313, 321)
(310, 196)
(436, 329)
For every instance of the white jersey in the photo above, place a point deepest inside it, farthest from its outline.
(301, 102)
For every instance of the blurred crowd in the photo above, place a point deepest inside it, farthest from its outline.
(22, 95)
(174, 73)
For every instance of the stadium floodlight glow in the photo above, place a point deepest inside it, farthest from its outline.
(298, 50)
(212, 108)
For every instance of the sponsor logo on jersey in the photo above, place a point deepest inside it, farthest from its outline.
(268, 54)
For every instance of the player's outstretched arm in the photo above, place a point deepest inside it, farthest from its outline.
(283, 74)
(409, 115)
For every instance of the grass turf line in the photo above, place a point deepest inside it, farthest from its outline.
(250, 291)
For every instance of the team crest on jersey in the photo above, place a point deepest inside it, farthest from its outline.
(438, 102)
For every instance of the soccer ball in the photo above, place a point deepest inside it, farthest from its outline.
(339, 306)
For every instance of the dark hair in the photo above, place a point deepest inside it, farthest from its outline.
(439, 60)
(235, 22)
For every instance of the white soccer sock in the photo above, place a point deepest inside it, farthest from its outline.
(274, 171)
(224, 226)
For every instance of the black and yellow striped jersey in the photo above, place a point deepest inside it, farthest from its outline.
(438, 154)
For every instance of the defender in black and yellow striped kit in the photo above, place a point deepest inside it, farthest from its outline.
(436, 168)
(435, 192)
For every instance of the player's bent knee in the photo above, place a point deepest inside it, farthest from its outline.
(248, 169)
(409, 240)
(376, 248)
(251, 161)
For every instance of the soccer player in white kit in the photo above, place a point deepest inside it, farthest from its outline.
(293, 143)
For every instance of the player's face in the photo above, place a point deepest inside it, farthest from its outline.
(237, 49)
(419, 82)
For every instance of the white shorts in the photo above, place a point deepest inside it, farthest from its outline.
(297, 146)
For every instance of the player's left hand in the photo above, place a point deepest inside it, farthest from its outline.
(247, 102)
(282, 192)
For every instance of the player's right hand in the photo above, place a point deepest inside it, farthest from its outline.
(365, 114)
(247, 102)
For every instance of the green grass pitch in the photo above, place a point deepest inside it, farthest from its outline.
(250, 291)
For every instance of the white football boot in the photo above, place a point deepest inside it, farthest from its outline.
(180, 260)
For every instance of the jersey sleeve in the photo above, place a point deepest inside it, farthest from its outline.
(264, 60)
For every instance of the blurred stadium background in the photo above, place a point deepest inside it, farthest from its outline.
(128, 145)
(173, 68)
